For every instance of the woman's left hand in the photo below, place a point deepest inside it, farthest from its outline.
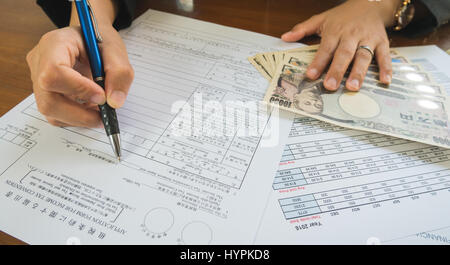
(343, 29)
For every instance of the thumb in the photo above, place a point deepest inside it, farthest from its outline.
(306, 28)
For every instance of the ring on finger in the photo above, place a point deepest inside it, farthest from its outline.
(367, 48)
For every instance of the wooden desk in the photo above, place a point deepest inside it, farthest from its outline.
(23, 22)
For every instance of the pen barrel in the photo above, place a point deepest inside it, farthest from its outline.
(109, 119)
(108, 115)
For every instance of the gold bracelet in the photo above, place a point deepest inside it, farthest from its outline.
(404, 15)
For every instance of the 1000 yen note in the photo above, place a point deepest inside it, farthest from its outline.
(432, 91)
(400, 71)
(399, 67)
(256, 62)
(267, 63)
(416, 82)
(373, 109)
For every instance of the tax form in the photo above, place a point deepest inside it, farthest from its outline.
(341, 186)
(174, 185)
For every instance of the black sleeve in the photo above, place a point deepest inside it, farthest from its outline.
(126, 14)
(439, 14)
(440, 10)
(59, 12)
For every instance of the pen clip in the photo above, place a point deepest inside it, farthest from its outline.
(97, 32)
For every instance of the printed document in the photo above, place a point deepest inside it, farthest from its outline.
(342, 186)
(185, 178)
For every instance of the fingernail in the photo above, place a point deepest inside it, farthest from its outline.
(100, 125)
(331, 83)
(312, 73)
(388, 78)
(285, 34)
(98, 99)
(117, 99)
(354, 84)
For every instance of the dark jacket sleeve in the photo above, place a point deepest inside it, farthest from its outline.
(440, 10)
(438, 14)
(59, 12)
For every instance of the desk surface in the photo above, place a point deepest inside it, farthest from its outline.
(23, 22)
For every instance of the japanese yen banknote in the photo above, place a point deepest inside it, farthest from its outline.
(414, 106)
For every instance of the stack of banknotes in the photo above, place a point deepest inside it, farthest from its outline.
(412, 107)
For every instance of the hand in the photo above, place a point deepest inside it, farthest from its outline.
(62, 77)
(343, 29)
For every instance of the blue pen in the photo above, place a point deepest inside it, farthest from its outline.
(91, 35)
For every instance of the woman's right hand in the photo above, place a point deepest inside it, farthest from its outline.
(62, 81)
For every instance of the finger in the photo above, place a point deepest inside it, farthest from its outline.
(323, 56)
(383, 57)
(32, 62)
(119, 74)
(83, 103)
(65, 80)
(58, 107)
(59, 53)
(306, 28)
(343, 56)
(361, 63)
(82, 66)
(57, 123)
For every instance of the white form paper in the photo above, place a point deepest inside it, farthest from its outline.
(340, 186)
(62, 185)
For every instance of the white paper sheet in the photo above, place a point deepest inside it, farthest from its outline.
(341, 186)
(62, 185)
